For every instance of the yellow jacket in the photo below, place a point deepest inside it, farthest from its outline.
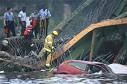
(49, 43)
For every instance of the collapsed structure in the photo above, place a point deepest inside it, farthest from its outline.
(34, 64)
(20, 53)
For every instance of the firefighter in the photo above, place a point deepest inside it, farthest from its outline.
(48, 47)
(9, 23)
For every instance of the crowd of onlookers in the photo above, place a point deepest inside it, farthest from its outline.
(35, 25)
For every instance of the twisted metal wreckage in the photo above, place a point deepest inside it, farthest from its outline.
(19, 52)
(13, 54)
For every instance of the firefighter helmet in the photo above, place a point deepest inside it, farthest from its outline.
(55, 33)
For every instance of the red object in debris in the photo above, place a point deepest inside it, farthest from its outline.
(67, 69)
(81, 67)
(27, 31)
(33, 22)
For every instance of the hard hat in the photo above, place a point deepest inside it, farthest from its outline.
(55, 33)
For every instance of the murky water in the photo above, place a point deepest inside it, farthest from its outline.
(49, 78)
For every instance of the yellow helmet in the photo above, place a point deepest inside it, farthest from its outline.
(55, 33)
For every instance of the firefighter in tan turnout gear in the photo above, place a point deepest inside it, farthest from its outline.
(48, 47)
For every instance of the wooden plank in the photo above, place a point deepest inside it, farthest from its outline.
(73, 41)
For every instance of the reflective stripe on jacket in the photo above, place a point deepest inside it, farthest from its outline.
(49, 43)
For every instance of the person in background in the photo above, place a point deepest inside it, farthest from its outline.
(22, 19)
(47, 16)
(9, 23)
(41, 17)
(49, 47)
(44, 15)
(33, 22)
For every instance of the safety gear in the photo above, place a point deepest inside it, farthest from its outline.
(49, 59)
(48, 45)
(55, 33)
(49, 42)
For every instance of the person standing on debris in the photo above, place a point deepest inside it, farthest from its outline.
(49, 47)
(22, 19)
(44, 20)
(9, 24)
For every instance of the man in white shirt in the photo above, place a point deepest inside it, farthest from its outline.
(9, 23)
(44, 16)
(22, 19)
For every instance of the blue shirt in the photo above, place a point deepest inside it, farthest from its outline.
(44, 14)
(8, 16)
